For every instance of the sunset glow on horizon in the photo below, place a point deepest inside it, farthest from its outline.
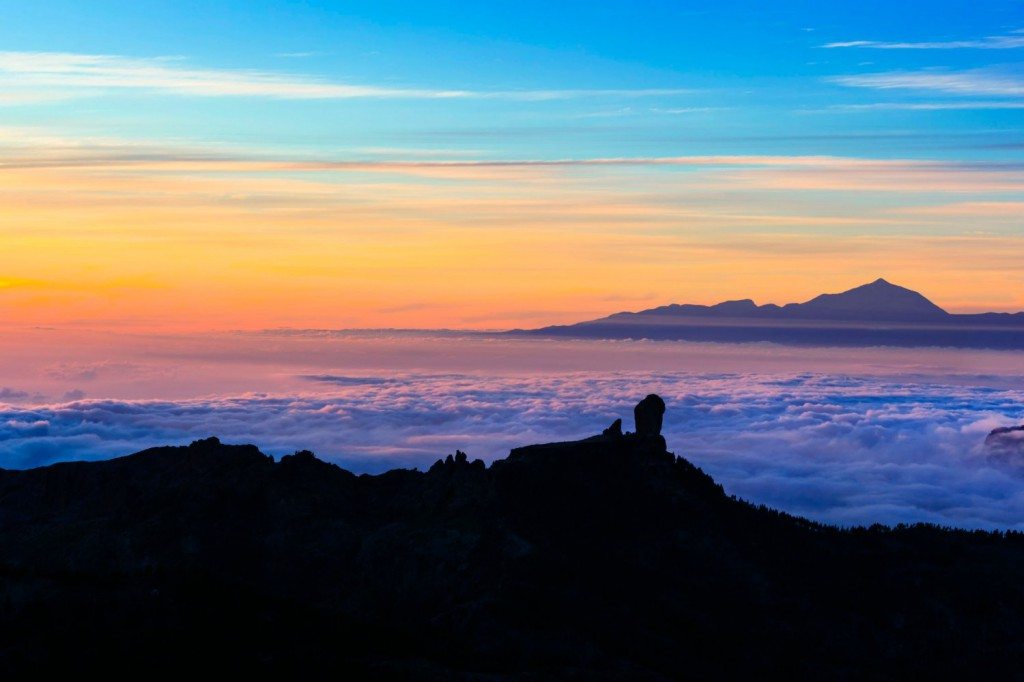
(451, 167)
(309, 224)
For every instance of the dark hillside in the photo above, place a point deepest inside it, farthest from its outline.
(603, 558)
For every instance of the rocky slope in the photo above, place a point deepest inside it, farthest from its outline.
(603, 558)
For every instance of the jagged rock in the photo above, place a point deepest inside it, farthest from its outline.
(605, 558)
(459, 460)
(648, 415)
(615, 430)
(300, 457)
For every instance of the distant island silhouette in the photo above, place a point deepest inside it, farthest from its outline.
(879, 313)
(603, 558)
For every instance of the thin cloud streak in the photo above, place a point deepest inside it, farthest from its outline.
(26, 152)
(99, 73)
(976, 82)
(1007, 209)
(794, 172)
(14, 97)
(926, 106)
(1003, 42)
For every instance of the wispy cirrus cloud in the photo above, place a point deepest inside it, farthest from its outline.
(16, 97)
(36, 73)
(197, 171)
(27, 148)
(926, 106)
(1013, 40)
(974, 82)
(794, 172)
(1004, 209)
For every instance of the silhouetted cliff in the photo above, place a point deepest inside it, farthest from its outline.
(603, 558)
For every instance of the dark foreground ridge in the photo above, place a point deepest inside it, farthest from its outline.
(604, 558)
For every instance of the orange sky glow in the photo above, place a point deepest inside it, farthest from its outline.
(94, 238)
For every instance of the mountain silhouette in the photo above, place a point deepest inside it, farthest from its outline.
(878, 313)
(878, 300)
(603, 558)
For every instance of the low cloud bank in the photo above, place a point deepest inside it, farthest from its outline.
(833, 448)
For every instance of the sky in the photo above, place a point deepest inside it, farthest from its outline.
(190, 167)
(198, 199)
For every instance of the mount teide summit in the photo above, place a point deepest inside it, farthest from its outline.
(877, 301)
(879, 313)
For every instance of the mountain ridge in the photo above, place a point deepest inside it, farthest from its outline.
(603, 558)
(879, 300)
(877, 313)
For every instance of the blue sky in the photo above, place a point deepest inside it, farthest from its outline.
(749, 78)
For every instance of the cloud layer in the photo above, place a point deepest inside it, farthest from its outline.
(973, 82)
(1000, 42)
(838, 449)
(54, 73)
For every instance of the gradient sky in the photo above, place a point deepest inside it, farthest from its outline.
(243, 165)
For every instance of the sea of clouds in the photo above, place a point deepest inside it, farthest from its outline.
(842, 449)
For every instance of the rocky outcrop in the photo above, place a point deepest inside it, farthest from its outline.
(604, 558)
(613, 431)
(648, 414)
